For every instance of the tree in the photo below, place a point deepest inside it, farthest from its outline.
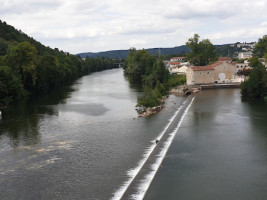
(256, 85)
(11, 87)
(3, 48)
(202, 52)
(245, 72)
(49, 74)
(261, 47)
(21, 58)
(139, 64)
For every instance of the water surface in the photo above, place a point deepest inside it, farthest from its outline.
(219, 152)
(79, 142)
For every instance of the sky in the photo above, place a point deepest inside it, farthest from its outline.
(78, 26)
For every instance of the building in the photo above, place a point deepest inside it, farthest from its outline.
(240, 66)
(244, 54)
(177, 59)
(179, 69)
(249, 45)
(222, 71)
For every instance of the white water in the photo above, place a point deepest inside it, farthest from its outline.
(133, 173)
(143, 187)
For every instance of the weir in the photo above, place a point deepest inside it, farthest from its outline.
(138, 184)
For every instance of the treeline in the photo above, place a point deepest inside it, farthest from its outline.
(256, 85)
(28, 67)
(141, 67)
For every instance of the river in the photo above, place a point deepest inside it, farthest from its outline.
(86, 141)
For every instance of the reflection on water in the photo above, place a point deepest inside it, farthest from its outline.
(20, 121)
(78, 142)
(219, 153)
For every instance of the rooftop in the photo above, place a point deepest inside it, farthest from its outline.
(207, 67)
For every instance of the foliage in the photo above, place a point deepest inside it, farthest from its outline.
(244, 72)
(202, 52)
(143, 68)
(261, 47)
(152, 97)
(11, 87)
(176, 79)
(28, 67)
(256, 85)
(139, 64)
(3, 48)
(226, 50)
(21, 58)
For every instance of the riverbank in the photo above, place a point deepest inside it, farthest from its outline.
(184, 90)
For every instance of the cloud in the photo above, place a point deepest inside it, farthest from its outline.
(136, 42)
(89, 25)
(264, 23)
(28, 6)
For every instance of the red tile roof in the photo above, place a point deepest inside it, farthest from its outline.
(207, 67)
(225, 59)
(178, 58)
(175, 63)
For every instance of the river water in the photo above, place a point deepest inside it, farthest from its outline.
(220, 151)
(87, 142)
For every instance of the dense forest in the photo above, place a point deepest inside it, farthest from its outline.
(27, 67)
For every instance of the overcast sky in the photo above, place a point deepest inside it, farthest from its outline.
(79, 26)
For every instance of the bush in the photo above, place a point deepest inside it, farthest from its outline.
(11, 87)
(150, 98)
(176, 80)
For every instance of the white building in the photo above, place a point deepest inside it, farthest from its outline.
(180, 69)
(177, 59)
(244, 55)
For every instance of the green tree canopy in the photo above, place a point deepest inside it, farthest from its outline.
(11, 87)
(21, 58)
(256, 85)
(139, 64)
(202, 52)
(261, 47)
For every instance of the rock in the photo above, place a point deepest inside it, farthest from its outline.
(141, 109)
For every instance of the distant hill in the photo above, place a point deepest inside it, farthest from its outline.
(9, 36)
(123, 53)
(222, 50)
(28, 67)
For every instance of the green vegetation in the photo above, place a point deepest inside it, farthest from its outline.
(260, 49)
(28, 67)
(176, 79)
(256, 85)
(202, 52)
(143, 68)
(152, 97)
